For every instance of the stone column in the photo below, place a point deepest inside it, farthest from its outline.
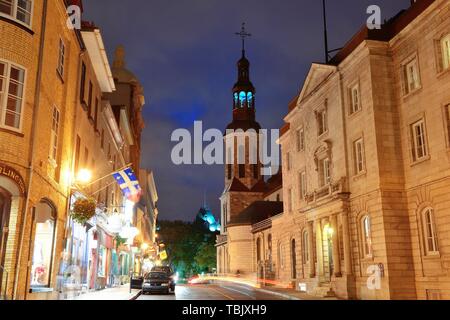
(312, 254)
(347, 247)
(336, 253)
(319, 252)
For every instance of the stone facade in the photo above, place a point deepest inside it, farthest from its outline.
(365, 168)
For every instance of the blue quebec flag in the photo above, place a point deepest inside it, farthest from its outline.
(129, 184)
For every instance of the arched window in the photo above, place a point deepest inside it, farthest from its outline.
(366, 236)
(305, 248)
(429, 229)
(294, 259)
(269, 247)
(250, 99)
(280, 256)
(44, 236)
(242, 98)
(258, 250)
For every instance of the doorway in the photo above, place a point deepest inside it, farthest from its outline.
(5, 207)
(328, 264)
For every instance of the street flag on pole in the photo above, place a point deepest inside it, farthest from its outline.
(129, 184)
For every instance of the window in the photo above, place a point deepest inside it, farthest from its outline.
(280, 255)
(54, 135)
(82, 82)
(366, 236)
(18, 9)
(445, 48)
(290, 200)
(447, 120)
(61, 58)
(288, 161)
(12, 82)
(355, 99)
(258, 250)
(230, 171)
(419, 147)
(294, 259)
(358, 150)
(411, 76)
(91, 88)
(305, 248)
(429, 229)
(303, 189)
(96, 115)
(324, 172)
(322, 122)
(301, 140)
(102, 139)
(44, 234)
(77, 154)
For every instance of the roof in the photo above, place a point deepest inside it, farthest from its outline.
(275, 183)
(258, 211)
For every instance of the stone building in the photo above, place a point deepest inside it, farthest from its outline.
(366, 167)
(55, 119)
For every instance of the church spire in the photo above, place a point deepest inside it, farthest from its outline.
(243, 34)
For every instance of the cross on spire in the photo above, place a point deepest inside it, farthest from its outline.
(243, 34)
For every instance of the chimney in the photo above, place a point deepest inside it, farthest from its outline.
(78, 3)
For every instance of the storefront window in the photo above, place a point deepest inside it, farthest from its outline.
(43, 245)
(102, 262)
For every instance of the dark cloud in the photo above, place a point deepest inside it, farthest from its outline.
(185, 53)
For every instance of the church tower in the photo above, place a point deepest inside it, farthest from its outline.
(242, 135)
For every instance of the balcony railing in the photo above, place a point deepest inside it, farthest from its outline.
(329, 190)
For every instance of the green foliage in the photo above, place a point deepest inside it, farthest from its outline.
(190, 247)
(120, 241)
(83, 210)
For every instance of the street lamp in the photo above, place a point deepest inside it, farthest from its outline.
(84, 176)
(144, 247)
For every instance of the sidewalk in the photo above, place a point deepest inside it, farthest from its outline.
(118, 293)
(291, 294)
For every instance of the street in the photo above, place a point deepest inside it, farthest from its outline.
(217, 291)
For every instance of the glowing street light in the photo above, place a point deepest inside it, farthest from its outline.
(144, 247)
(84, 176)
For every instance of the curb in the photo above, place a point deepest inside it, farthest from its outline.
(136, 296)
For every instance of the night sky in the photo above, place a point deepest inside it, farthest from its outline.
(185, 53)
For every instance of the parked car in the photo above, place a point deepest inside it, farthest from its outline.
(169, 272)
(136, 281)
(156, 282)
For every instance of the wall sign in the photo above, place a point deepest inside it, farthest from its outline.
(8, 172)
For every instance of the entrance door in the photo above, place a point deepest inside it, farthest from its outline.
(5, 206)
(328, 264)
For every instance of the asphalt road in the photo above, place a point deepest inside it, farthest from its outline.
(217, 291)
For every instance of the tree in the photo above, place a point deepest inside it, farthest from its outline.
(206, 257)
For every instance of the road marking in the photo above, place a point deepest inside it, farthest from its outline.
(223, 294)
(240, 292)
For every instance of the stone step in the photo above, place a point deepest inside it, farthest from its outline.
(324, 291)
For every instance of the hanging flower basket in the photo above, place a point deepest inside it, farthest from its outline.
(83, 210)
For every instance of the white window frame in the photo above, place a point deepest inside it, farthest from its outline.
(303, 185)
(301, 139)
(411, 75)
(366, 236)
(61, 57)
(13, 16)
(306, 253)
(429, 232)
(5, 94)
(416, 140)
(359, 156)
(445, 49)
(355, 99)
(322, 122)
(324, 172)
(54, 135)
